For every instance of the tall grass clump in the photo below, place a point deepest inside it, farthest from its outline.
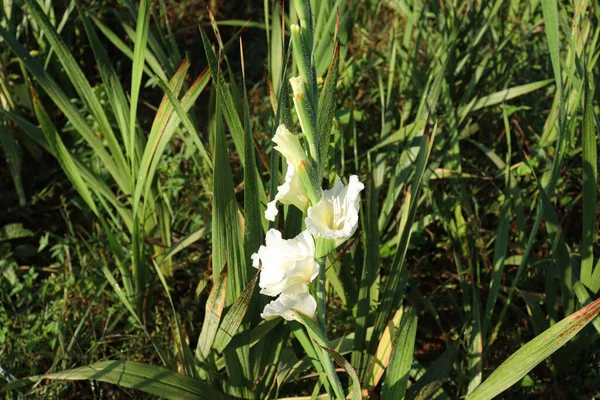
(403, 183)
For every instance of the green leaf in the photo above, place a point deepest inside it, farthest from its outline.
(233, 319)
(253, 213)
(227, 243)
(14, 231)
(187, 123)
(550, 10)
(401, 134)
(319, 337)
(157, 139)
(228, 106)
(534, 352)
(327, 102)
(185, 242)
(396, 376)
(141, 37)
(500, 253)
(435, 376)
(212, 315)
(80, 83)
(409, 209)
(114, 90)
(147, 378)
(152, 68)
(58, 96)
(501, 97)
(63, 155)
(590, 190)
(92, 180)
(11, 153)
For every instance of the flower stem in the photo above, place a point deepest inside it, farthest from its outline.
(321, 303)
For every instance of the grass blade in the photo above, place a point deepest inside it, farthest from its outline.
(116, 94)
(500, 97)
(58, 96)
(396, 377)
(80, 82)
(11, 153)
(228, 248)
(141, 37)
(435, 376)
(327, 101)
(590, 191)
(319, 338)
(157, 139)
(148, 378)
(534, 352)
(212, 315)
(233, 319)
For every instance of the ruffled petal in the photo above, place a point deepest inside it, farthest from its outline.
(271, 211)
(335, 216)
(285, 263)
(295, 298)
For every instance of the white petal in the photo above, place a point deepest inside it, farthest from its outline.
(289, 146)
(255, 260)
(335, 216)
(296, 297)
(291, 192)
(271, 211)
(285, 262)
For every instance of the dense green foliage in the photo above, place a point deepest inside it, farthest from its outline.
(136, 163)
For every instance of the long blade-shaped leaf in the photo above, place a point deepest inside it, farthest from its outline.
(93, 181)
(233, 319)
(327, 102)
(435, 376)
(68, 165)
(396, 377)
(227, 243)
(147, 378)
(590, 191)
(141, 37)
(393, 283)
(253, 213)
(212, 315)
(319, 338)
(187, 123)
(500, 97)
(55, 92)
(114, 90)
(157, 138)
(11, 152)
(534, 352)
(229, 110)
(80, 82)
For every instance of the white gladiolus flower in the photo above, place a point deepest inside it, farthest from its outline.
(335, 216)
(285, 262)
(291, 192)
(289, 146)
(296, 297)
